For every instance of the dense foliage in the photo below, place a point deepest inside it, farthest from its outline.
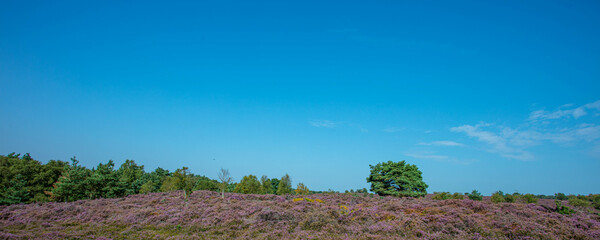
(397, 179)
(25, 180)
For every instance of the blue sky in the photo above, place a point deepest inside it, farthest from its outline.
(479, 95)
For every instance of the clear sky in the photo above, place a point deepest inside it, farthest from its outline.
(479, 95)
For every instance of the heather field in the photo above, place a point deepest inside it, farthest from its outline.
(318, 216)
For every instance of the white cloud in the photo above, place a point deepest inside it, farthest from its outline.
(499, 144)
(393, 129)
(576, 113)
(439, 158)
(595, 105)
(426, 156)
(442, 143)
(332, 124)
(588, 133)
(323, 123)
(514, 142)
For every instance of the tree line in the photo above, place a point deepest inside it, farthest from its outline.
(26, 180)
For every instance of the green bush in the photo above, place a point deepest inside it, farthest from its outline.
(475, 195)
(579, 202)
(441, 196)
(560, 196)
(563, 209)
(529, 198)
(447, 195)
(498, 197)
(509, 198)
(457, 196)
(595, 199)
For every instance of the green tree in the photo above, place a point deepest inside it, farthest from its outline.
(17, 192)
(248, 185)
(475, 195)
(147, 187)
(181, 179)
(72, 185)
(498, 197)
(265, 185)
(274, 185)
(560, 196)
(397, 179)
(130, 176)
(31, 172)
(169, 184)
(205, 183)
(530, 198)
(154, 180)
(285, 185)
(45, 179)
(104, 182)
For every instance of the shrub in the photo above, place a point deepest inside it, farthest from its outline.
(563, 209)
(560, 196)
(441, 196)
(595, 199)
(498, 197)
(475, 195)
(510, 198)
(529, 198)
(301, 189)
(579, 202)
(457, 196)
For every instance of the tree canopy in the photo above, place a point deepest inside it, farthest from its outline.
(285, 185)
(397, 179)
(249, 184)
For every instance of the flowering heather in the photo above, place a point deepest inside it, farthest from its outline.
(335, 216)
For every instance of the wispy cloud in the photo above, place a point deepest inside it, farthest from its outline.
(442, 143)
(426, 156)
(394, 129)
(323, 123)
(564, 111)
(514, 142)
(439, 158)
(332, 124)
(499, 143)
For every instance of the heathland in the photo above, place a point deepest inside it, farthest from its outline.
(205, 215)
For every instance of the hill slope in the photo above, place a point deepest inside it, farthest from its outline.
(338, 216)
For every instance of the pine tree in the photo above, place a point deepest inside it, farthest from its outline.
(16, 193)
(397, 179)
(71, 186)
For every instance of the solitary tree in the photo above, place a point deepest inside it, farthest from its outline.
(225, 180)
(397, 179)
